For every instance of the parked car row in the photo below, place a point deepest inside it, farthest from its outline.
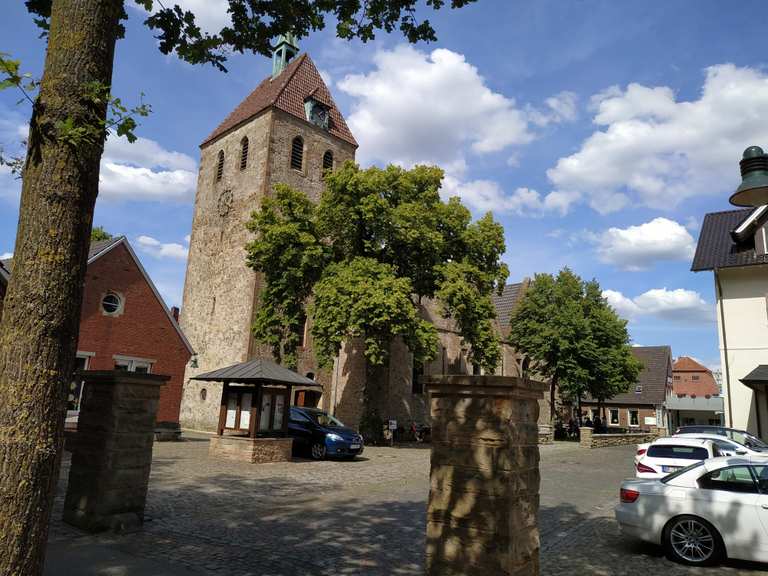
(702, 494)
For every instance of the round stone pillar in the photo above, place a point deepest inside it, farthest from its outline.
(483, 508)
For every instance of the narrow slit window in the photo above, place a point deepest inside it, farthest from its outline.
(243, 153)
(297, 153)
(328, 160)
(220, 166)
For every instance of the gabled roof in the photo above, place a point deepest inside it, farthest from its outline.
(717, 248)
(287, 92)
(505, 304)
(257, 371)
(102, 247)
(656, 361)
(758, 378)
(688, 364)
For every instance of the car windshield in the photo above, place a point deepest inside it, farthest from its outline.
(748, 440)
(327, 420)
(682, 471)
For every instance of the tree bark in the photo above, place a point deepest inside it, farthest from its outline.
(41, 315)
(552, 389)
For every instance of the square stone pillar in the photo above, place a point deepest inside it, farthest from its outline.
(112, 454)
(482, 517)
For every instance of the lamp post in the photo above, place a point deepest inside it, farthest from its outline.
(753, 190)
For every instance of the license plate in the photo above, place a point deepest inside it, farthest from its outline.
(670, 468)
(354, 446)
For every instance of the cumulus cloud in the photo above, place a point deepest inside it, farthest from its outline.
(158, 249)
(210, 15)
(653, 149)
(435, 108)
(487, 195)
(679, 305)
(638, 247)
(145, 170)
(6, 255)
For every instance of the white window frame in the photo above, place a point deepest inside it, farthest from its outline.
(72, 415)
(610, 417)
(629, 418)
(132, 362)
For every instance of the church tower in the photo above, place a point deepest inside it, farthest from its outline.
(288, 130)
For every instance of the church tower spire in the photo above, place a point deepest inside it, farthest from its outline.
(286, 49)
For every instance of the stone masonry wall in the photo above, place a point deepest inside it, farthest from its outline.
(587, 439)
(484, 488)
(252, 450)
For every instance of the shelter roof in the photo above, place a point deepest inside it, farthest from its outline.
(257, 371)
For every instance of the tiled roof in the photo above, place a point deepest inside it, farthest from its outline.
(505, 304)
(287, 92)
(259, 370)
(688, 364)
(759, 374)
(656, 362)
(716, 247)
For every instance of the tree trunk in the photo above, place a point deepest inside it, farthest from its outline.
(552, 390)
(41, 314)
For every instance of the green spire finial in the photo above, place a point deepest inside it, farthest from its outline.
(286, 49)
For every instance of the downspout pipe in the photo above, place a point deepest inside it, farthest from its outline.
(725, 349)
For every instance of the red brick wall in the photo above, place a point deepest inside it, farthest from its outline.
(643, 411)
(694, 383)
(143, 330)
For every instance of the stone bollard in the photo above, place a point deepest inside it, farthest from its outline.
(112, 456)
(484, 477)
(585, 436)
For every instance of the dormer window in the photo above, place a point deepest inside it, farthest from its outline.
(317, 113)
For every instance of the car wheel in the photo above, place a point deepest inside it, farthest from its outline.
(694, 541)
(318, 451)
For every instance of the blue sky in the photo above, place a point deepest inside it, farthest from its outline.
(599, 134)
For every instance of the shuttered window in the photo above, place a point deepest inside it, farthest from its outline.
(328, 160)
(220, 166)
(297, 153)
(243, 153)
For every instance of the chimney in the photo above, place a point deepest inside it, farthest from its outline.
(175, 313)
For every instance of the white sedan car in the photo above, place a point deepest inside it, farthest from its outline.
(726, 446)
(666, 455)
(702, 514)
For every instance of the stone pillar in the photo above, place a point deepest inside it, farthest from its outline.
(112, 454)
(484, 478)
(585, 436)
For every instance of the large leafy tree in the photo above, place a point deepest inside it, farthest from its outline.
(378, 242)
(568, 333)
(38, 335)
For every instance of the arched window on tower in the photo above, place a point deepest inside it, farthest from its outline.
(220, 166)
(297, 153)
(243, 152)
(327, 160)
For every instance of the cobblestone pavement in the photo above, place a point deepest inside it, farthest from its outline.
(363, 517)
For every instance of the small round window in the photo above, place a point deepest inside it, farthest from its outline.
(111, 303)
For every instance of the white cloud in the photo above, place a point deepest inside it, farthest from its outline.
(435, 108)
(653, 149)
(678, 305)
(487, 195)
(158, 249)
(145, 170)
(638, 247)
(210, 15)
(6, 255)
(187, 238)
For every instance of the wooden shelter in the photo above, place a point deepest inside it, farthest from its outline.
(255, 399)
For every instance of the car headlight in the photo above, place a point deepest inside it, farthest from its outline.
(334, 437)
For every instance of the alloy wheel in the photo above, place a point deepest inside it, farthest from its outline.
(318, 451)
(692, 540)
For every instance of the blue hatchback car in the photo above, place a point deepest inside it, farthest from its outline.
(322, 435)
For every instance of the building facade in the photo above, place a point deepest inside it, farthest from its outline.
(643, 407)
(732, 244)
(288, 130)
(125, 325)
(695, 395)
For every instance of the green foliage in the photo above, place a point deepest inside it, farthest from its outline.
(378, 242)
(571, 335)
(363, 298)
(289, 253)
(98, 234)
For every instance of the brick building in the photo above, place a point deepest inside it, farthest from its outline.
(644, 405)
(124, 324)
(695, 395)
(288, 130)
